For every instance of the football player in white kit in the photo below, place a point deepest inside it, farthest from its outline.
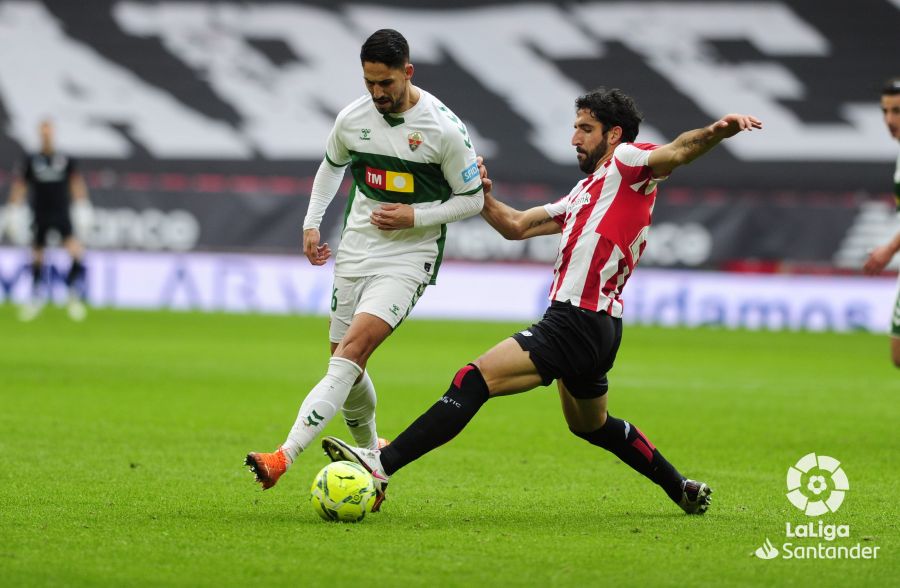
(603, 223)
(413, 170)
(881, 256)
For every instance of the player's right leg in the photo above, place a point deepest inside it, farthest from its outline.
(32, 308)
(323, 401)
(895, 328)
(365, 332)
(505, 369)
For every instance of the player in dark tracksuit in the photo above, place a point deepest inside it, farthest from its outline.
(52, 182)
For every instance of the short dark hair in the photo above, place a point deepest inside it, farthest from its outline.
(386, 46)
(613, 108)
(891, 87)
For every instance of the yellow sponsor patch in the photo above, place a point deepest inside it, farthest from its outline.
(390, 181)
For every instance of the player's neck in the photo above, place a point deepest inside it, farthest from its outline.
(603, 161)
(412, 98)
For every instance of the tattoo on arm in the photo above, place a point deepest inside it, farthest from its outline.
(540, 222)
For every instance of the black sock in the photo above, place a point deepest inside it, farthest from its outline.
(76, 272)
(631, 446)
(440, 423)
(37, 273)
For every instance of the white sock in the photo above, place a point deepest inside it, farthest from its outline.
(321, 404)
(359, 413)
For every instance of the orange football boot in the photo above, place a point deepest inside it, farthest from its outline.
(267, 467)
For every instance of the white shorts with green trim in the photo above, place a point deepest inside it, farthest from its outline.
(389, 297)
(895, 317)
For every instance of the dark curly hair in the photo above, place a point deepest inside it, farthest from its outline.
(386, 46)
(891, 87)
(613, 108)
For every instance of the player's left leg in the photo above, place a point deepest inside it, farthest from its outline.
(32, 308)
(588, 418)
(895, 350)
(75, 278)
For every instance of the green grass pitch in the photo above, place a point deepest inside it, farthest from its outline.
(122, 441)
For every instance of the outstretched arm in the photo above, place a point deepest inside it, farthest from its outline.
(692, 144)
(511, 223)
(881, 256)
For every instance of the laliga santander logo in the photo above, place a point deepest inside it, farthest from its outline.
(816, 485)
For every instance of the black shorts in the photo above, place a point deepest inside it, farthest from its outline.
(62, 224)
(575, 345)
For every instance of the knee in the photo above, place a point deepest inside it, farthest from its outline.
(357, 348)
(583, 424)
(895, 353)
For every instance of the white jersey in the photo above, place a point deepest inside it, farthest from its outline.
(604, 220)
(897, 183)
(419, 157)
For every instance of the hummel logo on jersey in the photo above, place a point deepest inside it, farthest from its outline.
(364, 134)
(527, 333)
(389, 180)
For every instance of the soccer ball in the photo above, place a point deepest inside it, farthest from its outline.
(343, 491)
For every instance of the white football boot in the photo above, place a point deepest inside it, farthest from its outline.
(695, 497)
(337, 450)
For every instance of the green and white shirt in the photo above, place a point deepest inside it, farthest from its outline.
(420, 157)
(897, 183)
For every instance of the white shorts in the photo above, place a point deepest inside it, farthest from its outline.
(895, 317)
(389, 297)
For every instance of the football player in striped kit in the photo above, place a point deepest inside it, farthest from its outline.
(881, 256)
(413, 171)
(603, 224)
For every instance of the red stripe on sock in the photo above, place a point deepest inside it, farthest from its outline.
(457, 380)
(644, 438)
(642, 447)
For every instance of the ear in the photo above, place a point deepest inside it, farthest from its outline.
(615, 135)
(409, 69)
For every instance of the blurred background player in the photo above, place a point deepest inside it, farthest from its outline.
(52, 183)
(414, 170)
(881, 256)
(603, 222)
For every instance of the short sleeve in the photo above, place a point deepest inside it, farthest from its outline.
(634, 154)
(72, 166)
(557, 210)
(632, 162)
(336, 152)
(458, 163)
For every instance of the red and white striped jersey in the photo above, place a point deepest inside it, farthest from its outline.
(604, 220)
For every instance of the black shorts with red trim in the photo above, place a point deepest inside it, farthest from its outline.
(574, 345)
